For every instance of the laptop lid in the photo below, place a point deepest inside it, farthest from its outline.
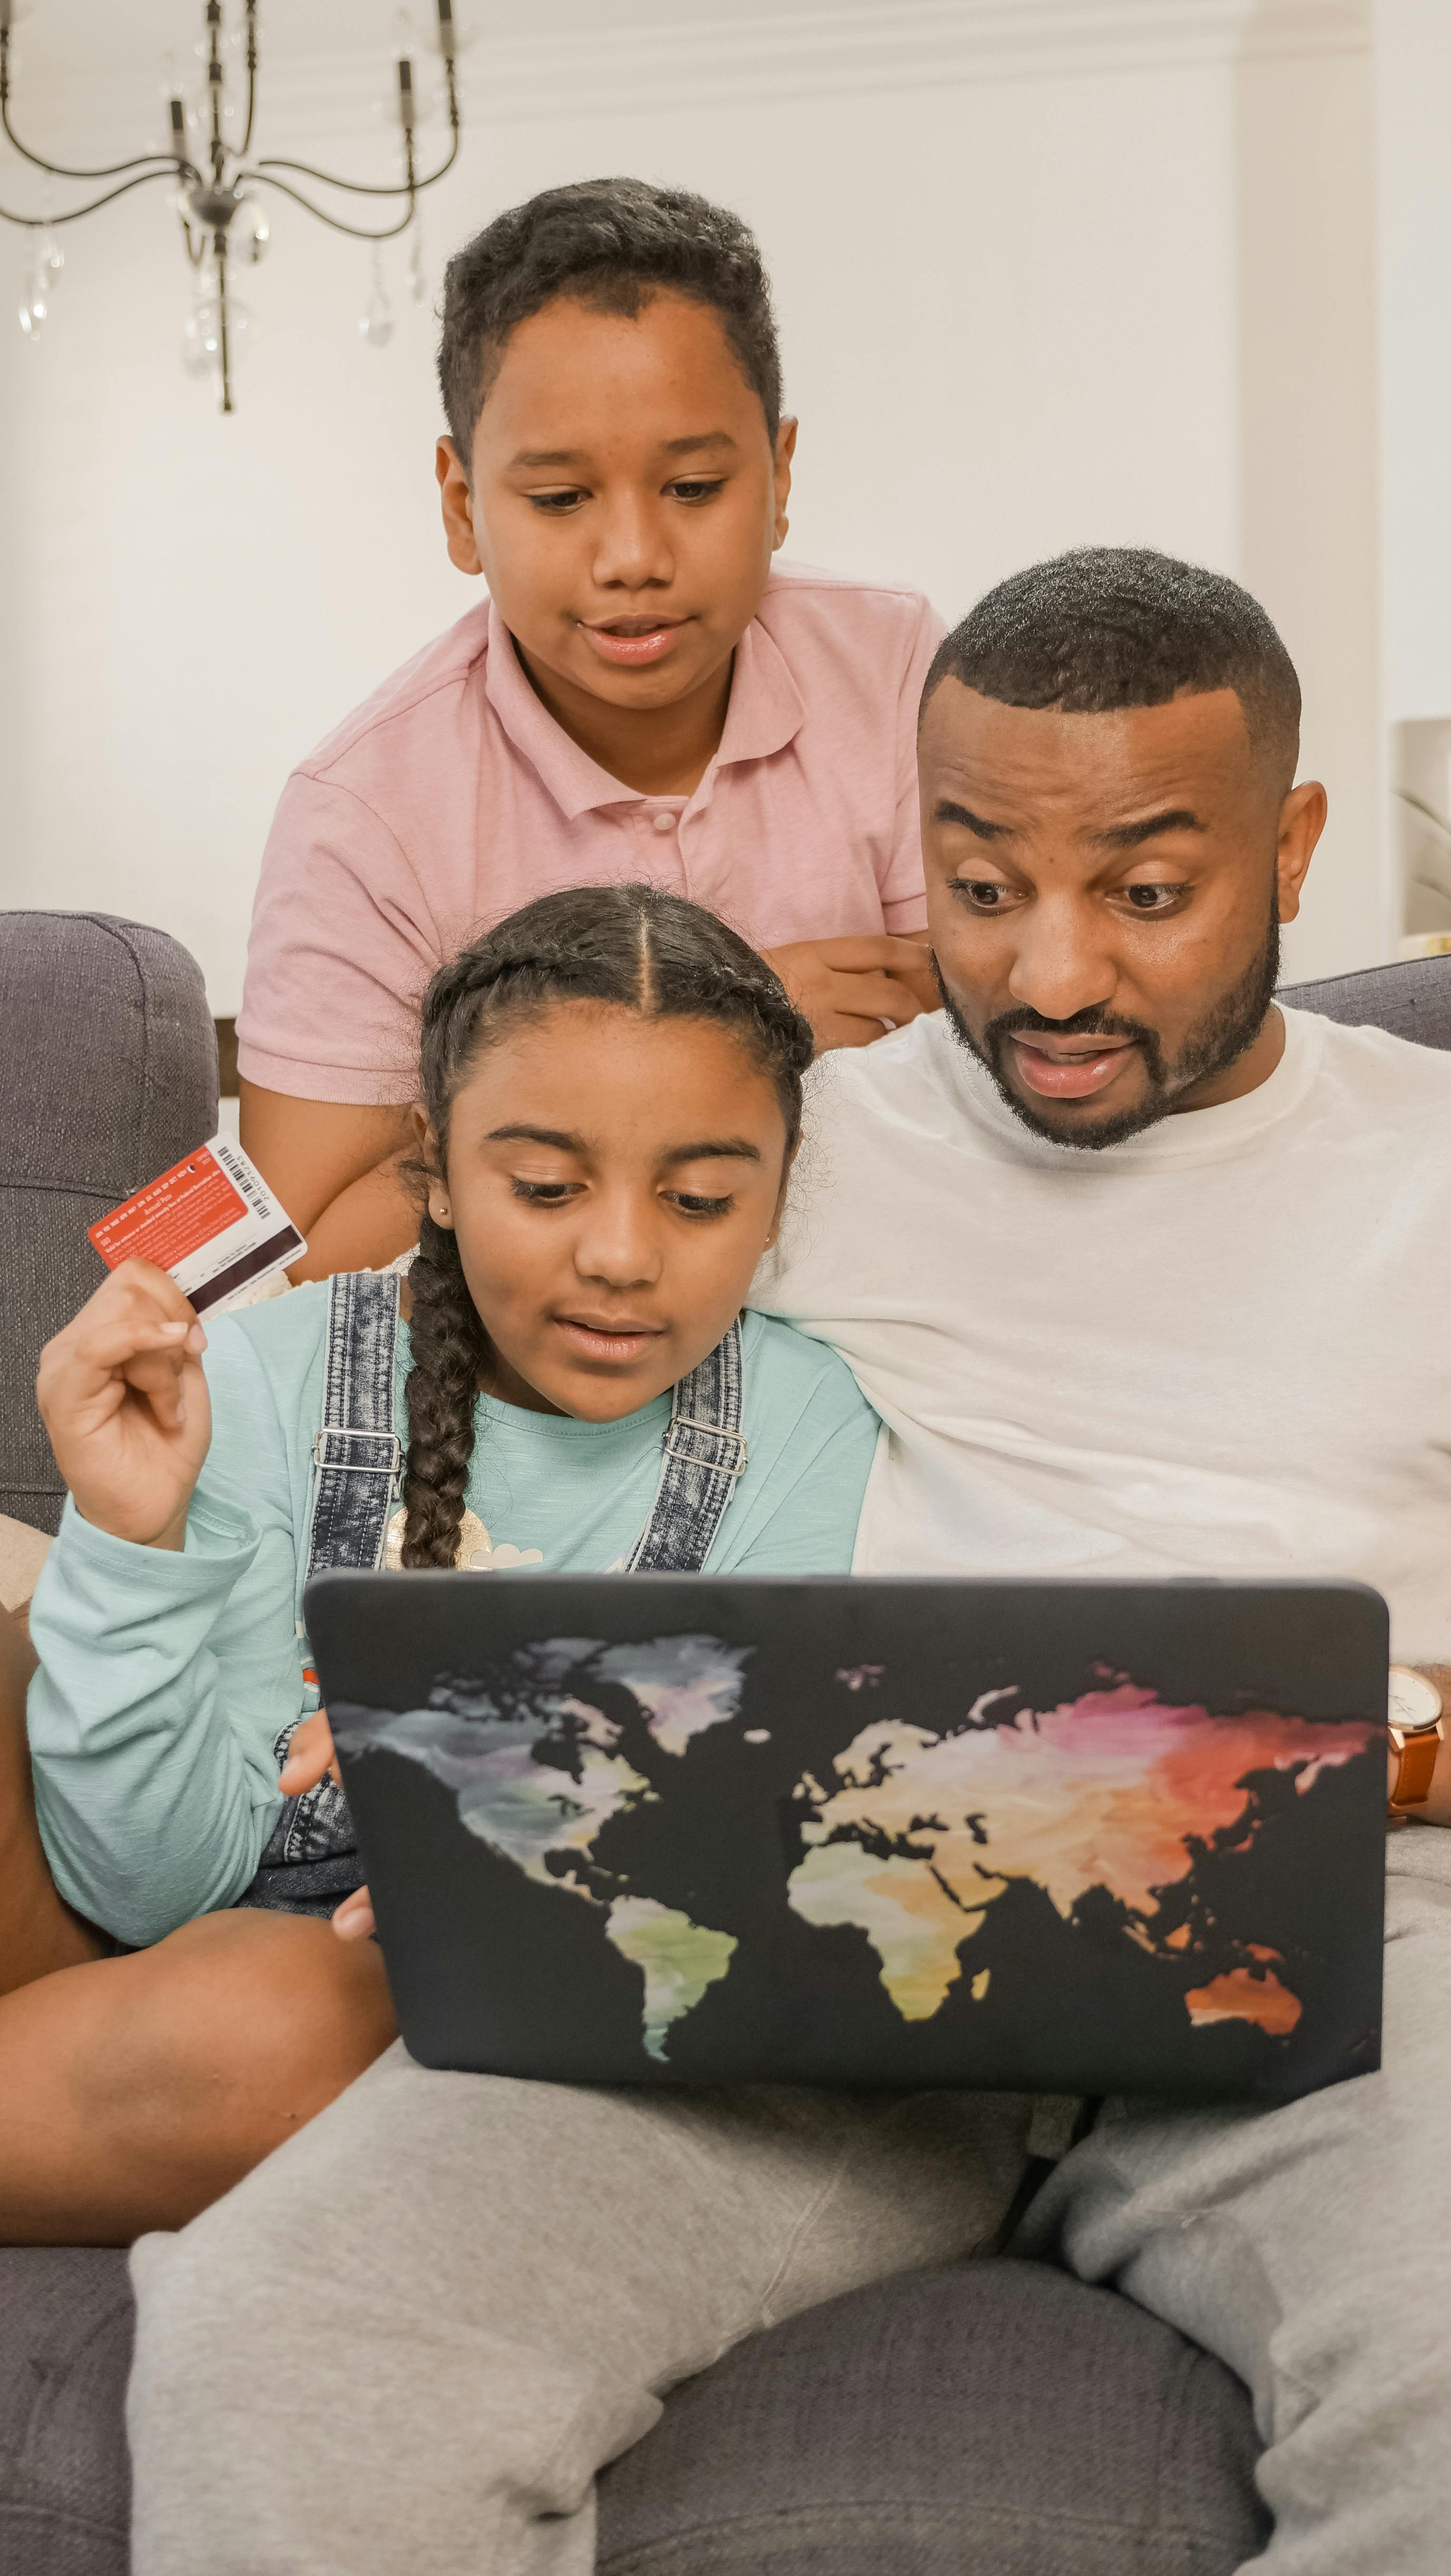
(1062, 1837)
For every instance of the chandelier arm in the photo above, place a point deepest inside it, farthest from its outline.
(410, 187)
(358, 232)
(39, 223)
(59, 169)
(169, 161)
(359, 187)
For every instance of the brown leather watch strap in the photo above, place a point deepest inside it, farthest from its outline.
(1417, 1763)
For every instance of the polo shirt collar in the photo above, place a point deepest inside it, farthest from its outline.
(766, 710)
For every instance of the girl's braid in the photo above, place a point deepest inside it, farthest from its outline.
(449, 1351)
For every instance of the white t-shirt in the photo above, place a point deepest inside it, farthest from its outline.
(1221, 1348)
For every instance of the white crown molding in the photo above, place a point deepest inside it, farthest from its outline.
(310, 102)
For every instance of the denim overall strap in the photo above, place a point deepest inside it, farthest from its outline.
(357, 1453)
(311, 1859)
(704, 1454)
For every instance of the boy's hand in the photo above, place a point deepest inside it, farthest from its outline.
(848, 988)
(310, 1755)
(123, 1396)
(353, 1920)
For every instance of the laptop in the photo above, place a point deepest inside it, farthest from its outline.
(1059, 1837)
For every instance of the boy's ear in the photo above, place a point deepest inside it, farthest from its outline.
(785, 450)
(458, 507)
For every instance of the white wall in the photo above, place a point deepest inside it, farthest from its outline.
(1018, 311)
(1413, 114)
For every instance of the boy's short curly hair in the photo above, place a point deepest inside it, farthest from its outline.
(614, 243)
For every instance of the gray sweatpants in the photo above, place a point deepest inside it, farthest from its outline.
(465, 2295)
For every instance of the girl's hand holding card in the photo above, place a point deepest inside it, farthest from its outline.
(123, 1395)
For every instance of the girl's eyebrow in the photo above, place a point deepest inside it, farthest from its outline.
(715, 1149)
(520, 1135)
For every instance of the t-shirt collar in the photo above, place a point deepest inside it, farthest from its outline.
(1192, 1136)
(766, 710)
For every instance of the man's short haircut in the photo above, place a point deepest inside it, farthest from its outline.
(614, 243)
(1122, 626)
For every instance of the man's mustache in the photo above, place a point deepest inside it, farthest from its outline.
(1093, 1022)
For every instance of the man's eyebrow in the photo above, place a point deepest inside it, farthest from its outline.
(1130, 836)
(947, 811)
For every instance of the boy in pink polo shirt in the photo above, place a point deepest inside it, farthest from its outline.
(641, 696)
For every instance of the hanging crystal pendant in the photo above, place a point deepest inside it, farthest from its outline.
(33, 305)
(201, 346)
(417, 282)
(35, 298)
(201, 338)
(45, 267)
(376, 319)
(249, 232)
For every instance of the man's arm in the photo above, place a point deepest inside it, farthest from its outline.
(335, 1169)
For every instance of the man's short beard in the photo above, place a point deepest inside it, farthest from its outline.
(1217, 1041)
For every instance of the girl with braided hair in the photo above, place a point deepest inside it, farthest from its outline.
(611, 1087)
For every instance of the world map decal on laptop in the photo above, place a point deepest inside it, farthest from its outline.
(704, 1849)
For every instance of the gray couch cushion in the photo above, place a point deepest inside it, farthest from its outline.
(994, 2419)
(1411, 999)
(65, 2349)
(108, 1072)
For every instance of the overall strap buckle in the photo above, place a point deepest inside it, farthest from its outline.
(702, 1449)
(381, 1452)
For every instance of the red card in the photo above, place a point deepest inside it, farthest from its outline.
(211, 1221)
(172, 1216)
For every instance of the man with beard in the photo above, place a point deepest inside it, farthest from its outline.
(1147, 1275)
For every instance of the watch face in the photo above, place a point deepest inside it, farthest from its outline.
(1415, 1703)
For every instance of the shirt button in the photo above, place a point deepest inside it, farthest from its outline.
(663, 821)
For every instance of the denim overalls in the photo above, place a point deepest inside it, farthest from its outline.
(311, 1860)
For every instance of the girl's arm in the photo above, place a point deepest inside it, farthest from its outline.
(163, 1619)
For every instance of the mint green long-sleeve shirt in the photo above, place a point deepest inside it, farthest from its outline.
(166, 1678)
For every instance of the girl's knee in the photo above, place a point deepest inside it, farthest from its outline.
(228, 2036)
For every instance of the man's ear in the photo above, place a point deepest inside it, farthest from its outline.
(458, 513)
(785, 450)
(1302, 820)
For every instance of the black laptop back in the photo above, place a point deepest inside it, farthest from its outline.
(1058, 1837)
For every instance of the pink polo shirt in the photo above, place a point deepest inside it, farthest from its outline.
(452, 796)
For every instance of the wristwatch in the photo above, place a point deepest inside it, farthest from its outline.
(1417, 1727)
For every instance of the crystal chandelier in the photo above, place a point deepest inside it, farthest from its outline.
(223, 224)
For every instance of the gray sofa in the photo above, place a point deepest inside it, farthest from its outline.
(108, 1073)
(994, 2418)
